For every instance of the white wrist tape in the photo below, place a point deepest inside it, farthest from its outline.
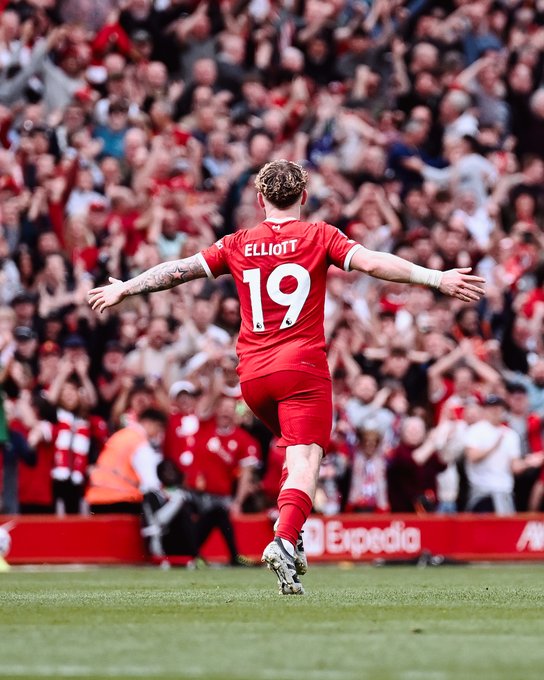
(426, 277)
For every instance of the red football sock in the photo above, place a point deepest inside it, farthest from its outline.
(295, 506)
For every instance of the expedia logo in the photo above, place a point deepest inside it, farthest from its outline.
(532, 538)
(333, 538)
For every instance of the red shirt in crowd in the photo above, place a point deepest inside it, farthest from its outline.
(408, 481)
(219, 455)
(35, 483)
(280, 269)
(180, 442)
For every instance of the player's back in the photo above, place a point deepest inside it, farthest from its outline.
(280, 269)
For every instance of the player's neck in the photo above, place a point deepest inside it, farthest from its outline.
(282, 215)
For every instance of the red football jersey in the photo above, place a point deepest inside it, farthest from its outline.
(180, 441)
(219, 455)
(280, 269)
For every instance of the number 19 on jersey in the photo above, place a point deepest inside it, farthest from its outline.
(294, 301)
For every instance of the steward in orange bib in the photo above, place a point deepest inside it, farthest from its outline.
(126, 468)
(125, 480)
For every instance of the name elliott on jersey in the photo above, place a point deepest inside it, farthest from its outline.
(261, 249)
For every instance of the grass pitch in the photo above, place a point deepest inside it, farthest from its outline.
(389, 623)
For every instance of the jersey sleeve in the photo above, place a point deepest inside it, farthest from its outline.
(215, 258)
(340, 249)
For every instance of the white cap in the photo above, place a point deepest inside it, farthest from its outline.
(181, 386)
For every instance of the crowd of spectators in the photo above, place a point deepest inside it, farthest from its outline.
(131, 132)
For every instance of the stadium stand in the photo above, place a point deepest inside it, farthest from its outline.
(131, 132)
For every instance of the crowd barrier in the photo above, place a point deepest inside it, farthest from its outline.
(115, 539)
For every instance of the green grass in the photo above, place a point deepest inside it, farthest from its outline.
(389, 623)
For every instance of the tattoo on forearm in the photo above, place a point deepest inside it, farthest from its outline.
(166, 275)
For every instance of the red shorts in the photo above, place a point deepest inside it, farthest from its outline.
(296, 406)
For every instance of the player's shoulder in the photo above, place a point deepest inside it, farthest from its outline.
(227, 241)
(316, 232)
(242, 236)
(326, 231)
(309, 225)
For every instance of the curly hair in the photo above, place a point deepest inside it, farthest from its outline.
(281, 182)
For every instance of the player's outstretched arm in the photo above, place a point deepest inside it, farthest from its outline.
(161, 277)
(458, 283)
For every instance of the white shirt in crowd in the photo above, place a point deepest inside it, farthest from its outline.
(144, 461)
(494, 472)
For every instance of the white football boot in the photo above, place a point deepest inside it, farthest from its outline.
(301, 562)
(282, 564)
